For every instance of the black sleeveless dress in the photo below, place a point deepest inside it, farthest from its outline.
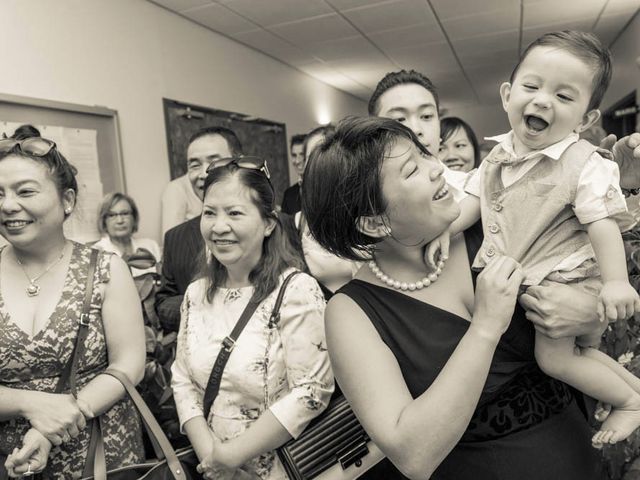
(527, 426)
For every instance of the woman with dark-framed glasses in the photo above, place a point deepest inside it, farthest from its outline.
(43, 279)
(278, 376)
(118, 220)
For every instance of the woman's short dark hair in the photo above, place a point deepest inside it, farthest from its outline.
(277, 253)
(401, 77)
(342, 183)
(62, 173)
(449, 126)
(107, 204)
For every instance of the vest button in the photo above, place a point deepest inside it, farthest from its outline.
(497, 207)
(493, 228)
(610, 193)
(490, 252)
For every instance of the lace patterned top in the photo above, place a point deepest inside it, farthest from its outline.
(284, 368)
(37, 363)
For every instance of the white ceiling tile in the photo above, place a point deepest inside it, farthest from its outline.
(326, 74)
(531, 33)
(315, 30)
(356, 47)
(404, 37)
(384, 16)
(447, 9)
(608, 27)
(488, 49)
(270, 44)
(180, 5)
(552, 12)
(365, 73)
(220, 19)
(272, 12)
(484, 23)
(347, 4)
(622, 6)
(428, 59)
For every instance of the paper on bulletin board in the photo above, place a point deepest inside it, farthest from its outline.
(80, 148)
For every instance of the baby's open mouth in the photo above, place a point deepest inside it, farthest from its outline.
(534, 123)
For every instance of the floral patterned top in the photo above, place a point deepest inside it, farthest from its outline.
(284, 368)
(37, 363)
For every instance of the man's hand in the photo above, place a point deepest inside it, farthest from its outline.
(626, 153)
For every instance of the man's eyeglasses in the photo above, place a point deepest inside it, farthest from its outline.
(36, 146)
(118, 214)
(242, 161)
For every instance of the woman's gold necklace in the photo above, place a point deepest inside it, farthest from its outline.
(33, 289)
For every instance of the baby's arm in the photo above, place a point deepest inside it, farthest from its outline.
(618, 299)
(469, 214)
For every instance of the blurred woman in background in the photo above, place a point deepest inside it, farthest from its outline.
(117, 221)
(459, 145)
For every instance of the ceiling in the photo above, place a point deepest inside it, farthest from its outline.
(467, 47)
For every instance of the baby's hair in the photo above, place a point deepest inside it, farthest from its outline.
(401, 77)
(584, 46)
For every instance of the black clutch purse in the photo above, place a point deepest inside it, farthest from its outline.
(334, 445)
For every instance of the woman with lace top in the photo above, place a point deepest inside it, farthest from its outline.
(43, 278)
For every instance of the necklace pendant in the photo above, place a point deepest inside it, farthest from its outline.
(33, 290)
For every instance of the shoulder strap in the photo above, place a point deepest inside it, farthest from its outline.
(213, 385)
(68, 377)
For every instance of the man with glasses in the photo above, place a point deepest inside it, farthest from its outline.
(183, 244)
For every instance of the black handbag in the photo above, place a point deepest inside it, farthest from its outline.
(170, 465)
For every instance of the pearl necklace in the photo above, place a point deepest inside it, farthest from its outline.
(398, 285)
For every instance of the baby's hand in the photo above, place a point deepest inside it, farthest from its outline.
(439, 247)
(618, 300)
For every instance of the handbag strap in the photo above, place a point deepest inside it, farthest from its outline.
(68, 377)
(157, 436)
(213, 385)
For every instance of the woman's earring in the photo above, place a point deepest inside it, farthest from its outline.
(67, 211)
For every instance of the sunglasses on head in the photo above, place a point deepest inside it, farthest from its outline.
(36, 146)
(242, 161)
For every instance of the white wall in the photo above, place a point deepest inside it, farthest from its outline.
(129, 54)
(626, 69)
(486, 120)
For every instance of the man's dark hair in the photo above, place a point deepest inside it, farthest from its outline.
(393, 79)
(235, 147)
(297, 139)
(584, 46)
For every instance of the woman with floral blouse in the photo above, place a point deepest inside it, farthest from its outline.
(278, 377)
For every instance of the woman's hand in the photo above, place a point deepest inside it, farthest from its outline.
(496, 293)
(56, 416)
(218, 464)
(32, 456)
(558, 310)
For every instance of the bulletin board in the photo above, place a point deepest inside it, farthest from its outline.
(258, 136)
(88, 136)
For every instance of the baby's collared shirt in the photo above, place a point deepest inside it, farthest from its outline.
(598, 194)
